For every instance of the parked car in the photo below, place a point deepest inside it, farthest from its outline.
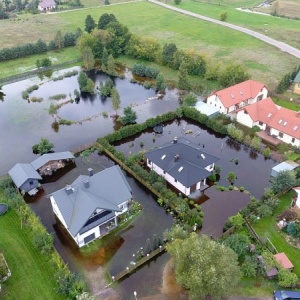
(286, 295)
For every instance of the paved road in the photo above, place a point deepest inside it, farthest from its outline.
(280, 45)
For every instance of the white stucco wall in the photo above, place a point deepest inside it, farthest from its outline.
(244, 119)
(213, 100)
(285, 138)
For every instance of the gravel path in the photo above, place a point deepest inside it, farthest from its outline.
(278, 44)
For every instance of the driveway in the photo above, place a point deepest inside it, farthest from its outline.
(280, 45)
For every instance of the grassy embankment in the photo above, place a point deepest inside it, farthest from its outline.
(282, 29)
(32, 274)
(265, 63)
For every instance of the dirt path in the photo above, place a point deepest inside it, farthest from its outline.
(278, 44)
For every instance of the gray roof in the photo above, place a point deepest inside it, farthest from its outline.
(191, 161)
(297, 78)
(20, 173)
(43, 159)
(105, 190)
(287, 165)
(207, 109)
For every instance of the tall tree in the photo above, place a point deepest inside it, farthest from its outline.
(111, 65)
(183, 83)
(115, 98)
(104, 59)
(233, 74)
(129, 116)
(90, 24)
(105, 19)
(88, 58)
(59, 40)
(160, 82)
(168, 53)
(202, 266)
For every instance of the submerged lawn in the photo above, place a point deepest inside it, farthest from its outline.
(266, 228)
(32, 276)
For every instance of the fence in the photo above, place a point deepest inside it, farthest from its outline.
(25, 75)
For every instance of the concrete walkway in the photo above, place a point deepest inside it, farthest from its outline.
(280, 45)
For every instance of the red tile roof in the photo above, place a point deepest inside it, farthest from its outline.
(283, 260)
(262, 110)
(239, 92)
(286, 121)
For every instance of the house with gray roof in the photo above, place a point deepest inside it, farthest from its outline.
(46, 5)
(88, 208)
(25, 177)
(184, 165)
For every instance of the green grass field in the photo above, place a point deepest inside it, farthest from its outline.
(266, 228)
(32, 276)
(223, 45)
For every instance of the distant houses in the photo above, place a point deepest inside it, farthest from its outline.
(88, 208)
(27, 177)
(46, 5)
(184, 165)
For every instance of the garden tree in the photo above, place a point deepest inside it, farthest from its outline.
(256, 142)
(223, 16)
(90, 24)
(267, 152)
(104, 59)
(286, 278)
(231, 177)
(129, 116)
(233, 74)
(284, 180)
(183, 83)
(249, 266)
(264, 211)
(86, 40)
(105, 19)
(177, 2)
(202, 266)
(59, 40)
(196, 62)
(235, 133)
(143, 47)
(85, 84)
(88, 58)
(293, 229)
(160, 82)
(190, 100)
(115, 98)
(237, 221)
(168, 53)
(44, 146)
(238, 243)
(111, 66)
(176, 232)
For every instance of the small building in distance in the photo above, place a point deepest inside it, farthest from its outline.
(296, 84)
(46, 5)
(288, 165)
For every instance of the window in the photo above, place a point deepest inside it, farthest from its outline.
(260, 123)
(259, 97)
(293, 140)
(281, 134)
(175, 180)
(164, 172)
(31, 182)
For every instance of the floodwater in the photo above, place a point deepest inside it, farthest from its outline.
(23, 124)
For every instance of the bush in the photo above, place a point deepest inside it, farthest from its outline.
(25, 95)
(58, 97)
(32, 88)
(142, 70)
(223, 16)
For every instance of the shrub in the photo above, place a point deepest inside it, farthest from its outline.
(242, 188)
(223, 16)
(142, 70)
(36, 99)
(25, 95)
(147, 85)
(58, 97)
(65, 122)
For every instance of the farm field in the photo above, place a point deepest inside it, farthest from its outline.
(32, 277)
(265, 63)
(282, 29)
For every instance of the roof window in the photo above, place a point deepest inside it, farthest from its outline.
(163, 157)
(269, 115)
(280, 121)
(202, 155)
(295, 128)
(180, 169)
(284, 124)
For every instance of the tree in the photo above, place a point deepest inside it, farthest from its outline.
(168, 53)
(286, 278)
(104, 59)
(59, 40)
(233, 74)
(237, 221)
(267, 152)
(160, 82)
(115, 98)
(177, 2)
(223, 16)
(238, 243)
(90, 24)
(183, 83)
(202, 266)
(284, 180)
(105, 19)
(88, 58)
(111, 66)
(190, 100)
(256, 142)
(231, 177)
(85, 84)
(44, 146)
(129, 116)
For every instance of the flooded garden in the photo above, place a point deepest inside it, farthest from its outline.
(23, 123)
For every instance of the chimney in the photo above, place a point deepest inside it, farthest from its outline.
(175, 140)
(176, 157)
(69, 189)
(86, 183)
(91, 172)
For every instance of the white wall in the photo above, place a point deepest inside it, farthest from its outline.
(244, 119)
(285, 138)
(213, 100)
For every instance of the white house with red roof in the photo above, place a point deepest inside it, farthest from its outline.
(277, 121)
(237, 96)
(46, 5)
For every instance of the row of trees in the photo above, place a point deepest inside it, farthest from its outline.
(108, 35)
(60, 41)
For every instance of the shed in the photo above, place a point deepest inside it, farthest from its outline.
(207, 109)
(284, 261)
(269, 271)
(288, 165)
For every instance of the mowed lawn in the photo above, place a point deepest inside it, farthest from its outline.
(32, 276)
(266, 63)
(266, 228)
(282, 29)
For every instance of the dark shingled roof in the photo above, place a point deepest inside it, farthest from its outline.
(191, 161)
(104, 190)
(22, 172)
